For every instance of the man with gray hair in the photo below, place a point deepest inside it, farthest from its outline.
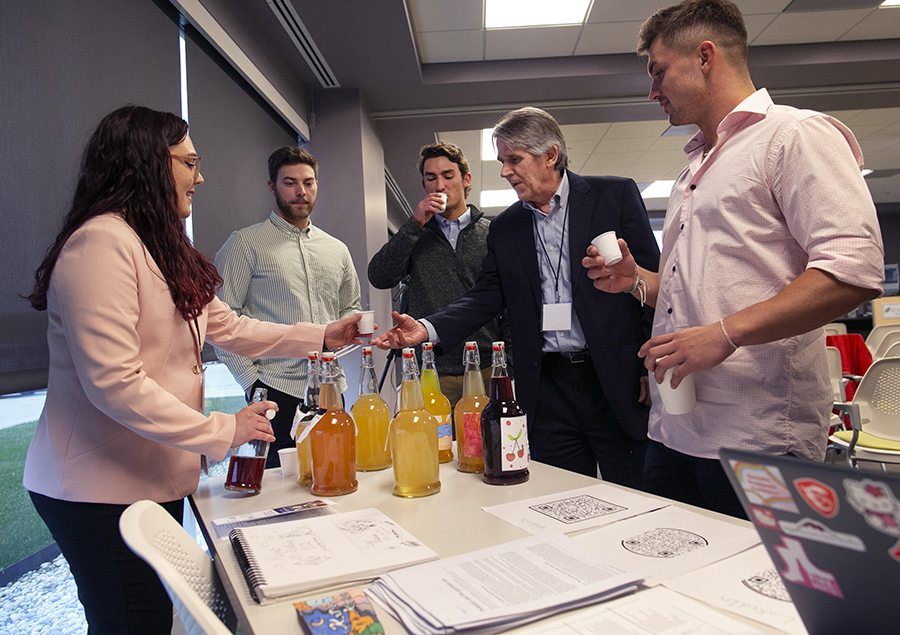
(577, 375)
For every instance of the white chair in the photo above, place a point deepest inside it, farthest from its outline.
(836, 328)
(877, 334)
(874, 414)
(889, 339)
(892, 351)
(185, 570)
(836, 374)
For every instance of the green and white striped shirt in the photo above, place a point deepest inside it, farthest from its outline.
(274, 272)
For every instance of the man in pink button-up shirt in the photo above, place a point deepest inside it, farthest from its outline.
(770, 233)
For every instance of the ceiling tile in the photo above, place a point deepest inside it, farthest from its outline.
(880, 24)
(624, 130)
(584, 131)
(468, 138)
(830, 5)
(631, 11)
(756, 24)
(439, 15)
(670, 143)
(877, 115)
(547, 41)
(608, 38)
(451, 46)
(580, 146)
(862, 131)
(843, 116)
(625, 144)
(822, 26)
(752, 7)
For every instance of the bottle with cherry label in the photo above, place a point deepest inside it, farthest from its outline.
(504, 428)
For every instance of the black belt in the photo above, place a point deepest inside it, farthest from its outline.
(574, 357)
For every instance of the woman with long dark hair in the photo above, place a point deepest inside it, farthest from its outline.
(130, 302)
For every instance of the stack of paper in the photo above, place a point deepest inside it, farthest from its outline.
(500, 587)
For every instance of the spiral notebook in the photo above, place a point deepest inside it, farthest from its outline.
(279, 561)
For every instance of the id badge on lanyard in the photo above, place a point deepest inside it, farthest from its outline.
(557, 317)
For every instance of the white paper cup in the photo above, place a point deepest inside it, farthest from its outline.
(681, 400)
(367, 322)
(608, 246)
(444, 200)
(290, 461)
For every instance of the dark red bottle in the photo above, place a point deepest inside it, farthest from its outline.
(504, 428)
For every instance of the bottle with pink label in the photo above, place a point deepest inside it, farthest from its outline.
(467, 415)
(504, 428)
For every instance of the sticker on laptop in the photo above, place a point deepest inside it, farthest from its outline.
(875, 502)
(769, 584)
(815, 530)
(821, 497)
(664, 543)
(799, 569)
(764, 516)
(764, 485)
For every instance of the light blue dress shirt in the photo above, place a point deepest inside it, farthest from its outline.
(451, 228)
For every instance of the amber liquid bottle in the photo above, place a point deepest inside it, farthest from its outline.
(437, 404)
(307, 410)
(373, 418)
(333, 439)
(504, 428)
(467, 415)
(414, 438)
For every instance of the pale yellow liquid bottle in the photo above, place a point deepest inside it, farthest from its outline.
(467, 415)
(414, 438)
(333, 439)
(437, 404)
(308, 410)
(373, 418)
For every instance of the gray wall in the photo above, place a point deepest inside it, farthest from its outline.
(64, 66)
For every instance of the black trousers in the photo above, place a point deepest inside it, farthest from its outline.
(120, 593)
(689, 479)
(574, 427)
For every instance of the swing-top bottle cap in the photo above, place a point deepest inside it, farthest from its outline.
(498, 345)
(409, 352)
(427, 346)
(472, 346)
(367, 350)
(312, 355)
(327, 357)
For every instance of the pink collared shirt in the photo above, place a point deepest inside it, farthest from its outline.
(781, 192)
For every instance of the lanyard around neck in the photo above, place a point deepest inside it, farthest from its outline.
(562, 243)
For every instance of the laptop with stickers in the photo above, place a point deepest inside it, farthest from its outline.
(833, 534)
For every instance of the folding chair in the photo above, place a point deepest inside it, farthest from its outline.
(185, 570)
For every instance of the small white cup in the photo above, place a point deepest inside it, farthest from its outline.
(681, 400)
(367, 323)
(290, 461)
(608, 246)
(444, 200)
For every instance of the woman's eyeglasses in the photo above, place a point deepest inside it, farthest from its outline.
(190, 160)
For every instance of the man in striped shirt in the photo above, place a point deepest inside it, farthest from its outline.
(285, 270)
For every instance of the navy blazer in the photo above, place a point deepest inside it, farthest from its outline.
(615, 326)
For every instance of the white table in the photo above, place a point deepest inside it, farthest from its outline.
(450, 522)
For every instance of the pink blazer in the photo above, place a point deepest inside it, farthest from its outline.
(123, 420)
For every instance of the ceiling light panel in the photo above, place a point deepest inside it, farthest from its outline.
(500, 14)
